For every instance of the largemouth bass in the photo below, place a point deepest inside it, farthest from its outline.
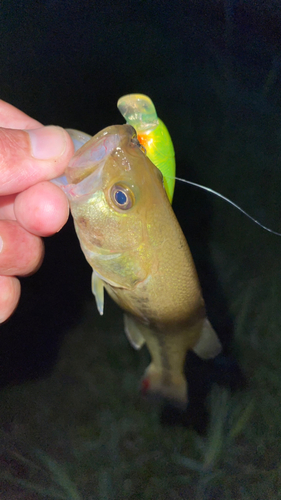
(131, 238)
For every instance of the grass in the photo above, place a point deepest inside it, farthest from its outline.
(85, 433)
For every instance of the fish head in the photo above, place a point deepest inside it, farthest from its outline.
(113, 190)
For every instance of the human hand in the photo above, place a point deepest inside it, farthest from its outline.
(30, 206)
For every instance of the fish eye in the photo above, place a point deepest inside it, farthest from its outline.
(122, 197)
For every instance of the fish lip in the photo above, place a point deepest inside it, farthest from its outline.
(91, 156)
(85, 169)
(86, 187)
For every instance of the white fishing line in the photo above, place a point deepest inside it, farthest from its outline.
(228, 201)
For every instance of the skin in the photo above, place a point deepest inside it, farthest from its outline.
(30, 206)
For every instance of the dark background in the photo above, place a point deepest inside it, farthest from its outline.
(212, 70)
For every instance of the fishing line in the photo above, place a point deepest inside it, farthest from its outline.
(228, 201)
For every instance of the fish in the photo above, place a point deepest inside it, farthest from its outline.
(131, 238)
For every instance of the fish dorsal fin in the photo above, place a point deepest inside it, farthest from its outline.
(133, 332)
(97, 289)
(208, 345)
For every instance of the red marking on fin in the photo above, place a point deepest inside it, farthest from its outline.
(145, 385)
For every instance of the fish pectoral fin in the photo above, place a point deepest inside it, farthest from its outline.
(98, 291)
(133, 332)
(208, 345)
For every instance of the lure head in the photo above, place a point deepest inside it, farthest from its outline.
(114, 190)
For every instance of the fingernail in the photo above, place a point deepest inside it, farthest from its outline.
(47, 142)
(1, 244)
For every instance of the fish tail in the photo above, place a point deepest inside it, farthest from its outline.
(156, 385)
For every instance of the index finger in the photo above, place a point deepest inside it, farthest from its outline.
(11, 117)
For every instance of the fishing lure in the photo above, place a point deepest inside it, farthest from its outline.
(139, 111)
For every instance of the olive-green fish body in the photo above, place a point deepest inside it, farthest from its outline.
(132, 240)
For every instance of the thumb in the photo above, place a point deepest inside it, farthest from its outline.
(31, 156)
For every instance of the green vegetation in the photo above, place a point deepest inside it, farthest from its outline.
(85, 433)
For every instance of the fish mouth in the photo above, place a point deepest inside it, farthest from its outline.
(85, 187)
(84, 172)
(90, 156)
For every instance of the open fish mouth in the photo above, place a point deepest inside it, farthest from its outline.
(84, 172)
(87, 186)
(88, 158)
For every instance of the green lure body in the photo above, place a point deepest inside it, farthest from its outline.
(139, 111)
